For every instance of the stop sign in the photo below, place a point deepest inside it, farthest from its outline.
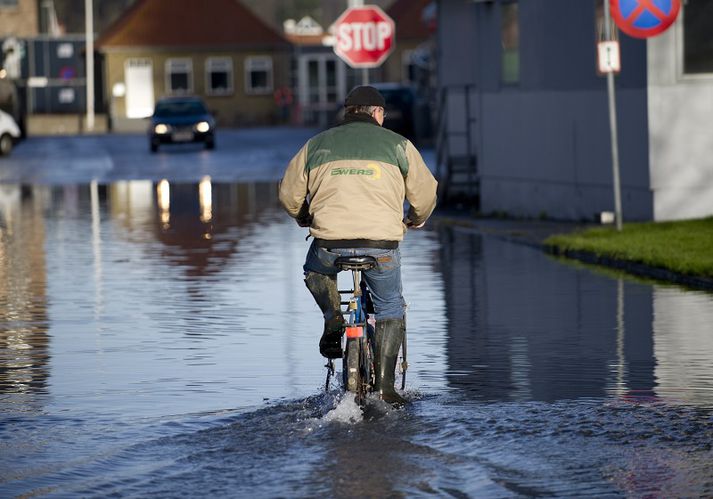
(364, 36)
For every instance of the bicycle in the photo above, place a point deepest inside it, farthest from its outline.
(358, 367)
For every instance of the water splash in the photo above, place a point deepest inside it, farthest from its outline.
(347, 411)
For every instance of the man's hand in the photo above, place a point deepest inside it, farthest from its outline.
(411, 225)
(304, 221)
(304, 218)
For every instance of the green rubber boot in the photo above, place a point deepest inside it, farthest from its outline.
(389, 336)
(325, 293)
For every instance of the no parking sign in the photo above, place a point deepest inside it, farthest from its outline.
(644, 18)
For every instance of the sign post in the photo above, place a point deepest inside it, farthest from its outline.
(640, 19)
(364, 38)
(89, 29)
(613, 125)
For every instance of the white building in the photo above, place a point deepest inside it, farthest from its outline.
(525, 116)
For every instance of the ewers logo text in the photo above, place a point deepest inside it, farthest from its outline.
(372, 170)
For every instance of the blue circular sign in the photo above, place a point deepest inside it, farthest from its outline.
(644, 18)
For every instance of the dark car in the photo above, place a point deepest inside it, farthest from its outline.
(400, 101)
(178, 120)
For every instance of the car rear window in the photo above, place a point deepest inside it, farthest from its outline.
(179, 108)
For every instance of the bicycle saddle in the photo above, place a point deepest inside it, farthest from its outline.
(362, 262)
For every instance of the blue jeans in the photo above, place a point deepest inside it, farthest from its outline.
(384, 280)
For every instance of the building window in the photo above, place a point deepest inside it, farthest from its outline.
(219, 76)
(179, 76)
(697, 37)
(510, 38)
(258, 75)
(8, 3)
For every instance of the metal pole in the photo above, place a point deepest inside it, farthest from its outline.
(89, 29)
(364, 76)
(613, 125)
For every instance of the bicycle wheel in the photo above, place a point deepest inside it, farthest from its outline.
(366, 362)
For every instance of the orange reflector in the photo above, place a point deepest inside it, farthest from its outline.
(355, 332)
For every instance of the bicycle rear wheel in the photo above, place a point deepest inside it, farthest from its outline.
(366, 362)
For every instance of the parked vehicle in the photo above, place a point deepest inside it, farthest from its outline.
(400, 102)
(178, 120)
(9, 133)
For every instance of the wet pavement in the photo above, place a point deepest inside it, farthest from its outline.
(157, 340)
(246, 155)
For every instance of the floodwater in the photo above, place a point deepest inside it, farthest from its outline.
(158, 341)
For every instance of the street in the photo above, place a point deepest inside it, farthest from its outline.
(240, 155)
(157, 340)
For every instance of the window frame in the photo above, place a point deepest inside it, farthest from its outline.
(169, 71)
(680, 32)
(248, 70)
(230, 70)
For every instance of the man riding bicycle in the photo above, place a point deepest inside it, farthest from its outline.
(348, 185)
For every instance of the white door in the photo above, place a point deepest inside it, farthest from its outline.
(138, 76)
(322, 87)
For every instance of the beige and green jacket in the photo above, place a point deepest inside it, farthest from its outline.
(355, 178)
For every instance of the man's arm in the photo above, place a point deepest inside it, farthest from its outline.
(292, 190)
(420, 188)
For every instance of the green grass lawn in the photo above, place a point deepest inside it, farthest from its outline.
(685, 247)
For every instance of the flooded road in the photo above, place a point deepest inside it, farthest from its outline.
(157, 340)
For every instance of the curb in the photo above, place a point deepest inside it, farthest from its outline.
(633, 268)
(638, 269)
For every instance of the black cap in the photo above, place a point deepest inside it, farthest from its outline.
(364, 96)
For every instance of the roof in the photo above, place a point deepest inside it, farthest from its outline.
(189, 23)
(306, 39)
(407, 14)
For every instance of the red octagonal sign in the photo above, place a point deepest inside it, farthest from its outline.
(364, 36)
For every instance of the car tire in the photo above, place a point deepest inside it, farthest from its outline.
(5, 144)
(153, 146)
(210, 143)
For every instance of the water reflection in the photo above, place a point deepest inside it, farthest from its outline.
(184, 356)
(197, 223)
(24, 344)
(89, 257)
(683, 330)
(525, 327)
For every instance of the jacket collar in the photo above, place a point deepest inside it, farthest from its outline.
(358, 118)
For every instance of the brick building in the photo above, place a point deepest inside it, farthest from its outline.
(218, 50)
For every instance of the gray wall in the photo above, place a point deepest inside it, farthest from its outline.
(543, 144)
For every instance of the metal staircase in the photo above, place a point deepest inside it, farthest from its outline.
(457, 165)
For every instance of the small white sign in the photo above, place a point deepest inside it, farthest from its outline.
(66, 95)
(37, 81)
(607, 217)
(65, 50)
(608, 58)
